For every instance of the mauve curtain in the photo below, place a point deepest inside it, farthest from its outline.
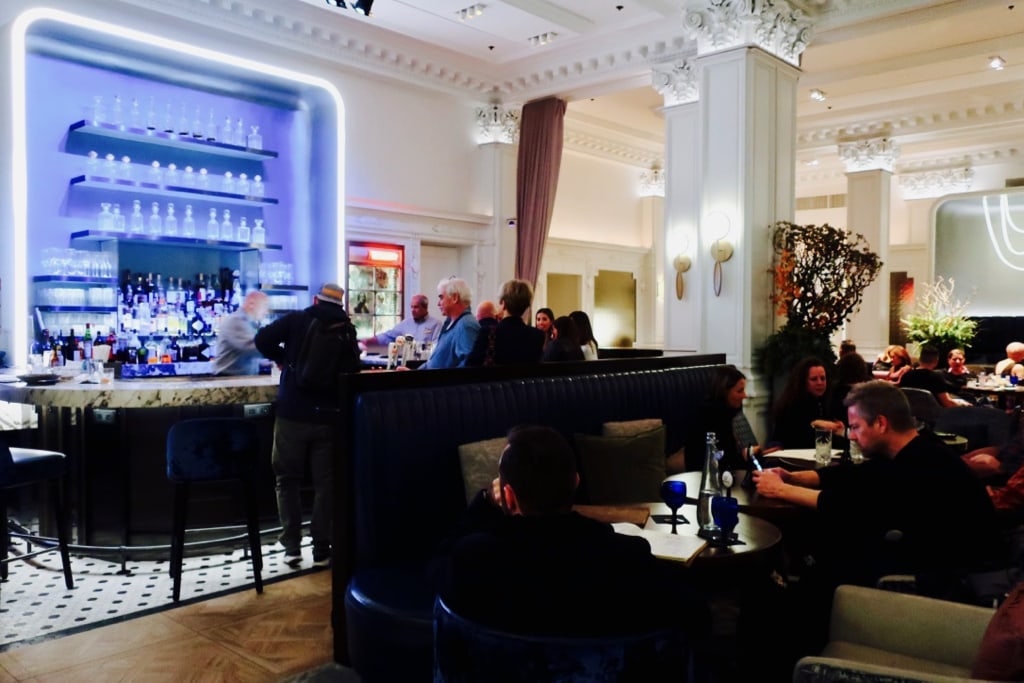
(540, 156)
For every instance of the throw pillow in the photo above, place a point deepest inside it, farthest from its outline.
(630, 427)
(622, 469)
(1001, 655)
(480, 464)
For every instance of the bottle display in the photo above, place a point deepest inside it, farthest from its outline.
(119, 222)
(188, 224)
(136, 222)
(156, 224)
(170, 221)
(243, 231)
(259, 233)
(105, 219)
(227, 228)
(213, 226)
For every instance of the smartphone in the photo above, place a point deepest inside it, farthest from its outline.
(754, 461)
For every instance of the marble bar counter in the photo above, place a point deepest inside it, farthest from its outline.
(145, 393)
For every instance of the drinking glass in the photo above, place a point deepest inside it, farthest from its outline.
(822, 447)
(725, 510)
(673, 494)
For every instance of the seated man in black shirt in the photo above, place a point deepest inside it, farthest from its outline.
(926, 377)
(913, 508)
(525, 562)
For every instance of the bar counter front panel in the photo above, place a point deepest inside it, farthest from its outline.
(114, 436)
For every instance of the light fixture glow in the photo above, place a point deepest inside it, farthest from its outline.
(818, 95)
(19, 145)
(470, 12)
(542, 39)
(996, 63)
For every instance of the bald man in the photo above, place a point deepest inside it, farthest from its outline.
(236, 352)
(487, 313)
(1014, 361)
(422, 326)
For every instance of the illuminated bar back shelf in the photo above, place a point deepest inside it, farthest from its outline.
(167, 240)
(165, 139)
(169, 192)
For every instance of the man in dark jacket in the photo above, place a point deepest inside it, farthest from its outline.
(304, 429)
(524, 561)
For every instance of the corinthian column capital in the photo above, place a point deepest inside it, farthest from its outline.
(775, 26)
(676, 82)
(869, 155)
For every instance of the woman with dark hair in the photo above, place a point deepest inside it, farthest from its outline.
(543, 321)
(718, 414)
(587, 342)
(803, 406)
(564, 344)
(850, 369)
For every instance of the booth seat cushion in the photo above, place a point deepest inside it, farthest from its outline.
(390, 625)
(630, 427)
(622, 469)
(896, 660)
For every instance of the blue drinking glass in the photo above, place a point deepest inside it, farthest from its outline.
(725, 510)
(673, 494)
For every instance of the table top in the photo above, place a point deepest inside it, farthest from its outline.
(758, 536)
(975, 388)
(146, 393)
(750, 500)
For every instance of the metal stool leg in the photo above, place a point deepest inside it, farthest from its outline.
(60, 509)
(181, 490)
(5, 536)
(253, 526)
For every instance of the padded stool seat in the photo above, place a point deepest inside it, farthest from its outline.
(390, 621)
(466, 651)
(22, 466)
(213, 449)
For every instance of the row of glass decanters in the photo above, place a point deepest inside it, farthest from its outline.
(167, 224)
(171, 176)
(229, 132)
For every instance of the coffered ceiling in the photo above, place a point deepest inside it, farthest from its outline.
(915, 70)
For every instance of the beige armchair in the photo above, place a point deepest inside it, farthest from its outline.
(882, 636)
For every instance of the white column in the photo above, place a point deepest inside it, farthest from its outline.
(869, 165)
(498, 130)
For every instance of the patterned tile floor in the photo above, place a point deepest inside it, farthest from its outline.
(35, 605)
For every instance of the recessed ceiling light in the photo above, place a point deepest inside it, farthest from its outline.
(817, 95)
(996, 63)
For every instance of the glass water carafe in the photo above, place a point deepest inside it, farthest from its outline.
(710, 486)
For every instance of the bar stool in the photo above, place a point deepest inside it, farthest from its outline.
(22, 466)
(207, 450)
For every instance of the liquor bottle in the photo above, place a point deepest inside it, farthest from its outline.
(105, 219)
(183, 121)
(168, 119)
(242, 185)
(227, 184)
(137, 221)
(87, 343)
(170, 221)
(57, 351)
(135, 115)
(710, 486)
(124, 169)
(227, 132)
(211, 127)
(188, 224)
(197, 124)
(239, 136)
(109, 167)
(156, 224)
(259, 233)
(188, 178)
(117, 112)
(92, 166)
(175, 350)
(99, 110)
(201, 289)
(212, 226)
(156, 174)
(244, 234)
(118, 219)
(257, 186)
(172, 177)
(151, 115)
(71, 348)
(203, 181)
(255, 140)
(227, 228)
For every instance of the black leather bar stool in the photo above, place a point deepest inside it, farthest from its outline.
(206, 450)
(23, 466)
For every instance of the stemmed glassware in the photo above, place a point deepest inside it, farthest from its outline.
(673, 494)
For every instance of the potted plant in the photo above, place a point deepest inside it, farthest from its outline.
(939, 318)
(819, 278)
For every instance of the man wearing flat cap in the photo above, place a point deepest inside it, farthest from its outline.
(304, 428)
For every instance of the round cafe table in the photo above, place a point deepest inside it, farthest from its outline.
(759, 538)
(750, 501)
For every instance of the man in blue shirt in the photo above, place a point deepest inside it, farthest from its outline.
(460, 327)
(422, 327)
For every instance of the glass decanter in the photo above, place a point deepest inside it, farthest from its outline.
(188, 224)
(227, 228)
(156, 174)
(125, 171)
(156, 224)
(172, 176)
(137, 221)
(151, 115)
(203, 182)
(257, 186)
(99, 110)
(105, 219)
(92, 166)
(118, 219)
(213, 226)
(244, 233)
(239, 135)
(259, 233)
(226, 131)
(183, 121)
(188, 178)
(170, 221)
(255, 140)
(242, 185)
(197, 124)
(110, 167)
(135, 115)
(211, 127)
(227, 184)
(168, 119)
(117, 112)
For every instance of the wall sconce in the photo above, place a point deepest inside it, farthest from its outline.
(717, 224)
(682, 264)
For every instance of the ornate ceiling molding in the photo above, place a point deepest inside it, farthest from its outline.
(776, 26)
(587, 143)
(932, 184)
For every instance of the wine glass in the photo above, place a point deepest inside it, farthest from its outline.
(673, 494)
(726, 512)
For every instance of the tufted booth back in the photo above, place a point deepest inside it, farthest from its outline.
(407, 478)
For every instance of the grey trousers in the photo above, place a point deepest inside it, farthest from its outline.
(297, 444)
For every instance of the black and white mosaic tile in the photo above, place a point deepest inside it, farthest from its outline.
(35, 605)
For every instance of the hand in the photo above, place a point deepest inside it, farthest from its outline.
(496, 492)
(984, 465)
(833, 426)
(769, 483)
